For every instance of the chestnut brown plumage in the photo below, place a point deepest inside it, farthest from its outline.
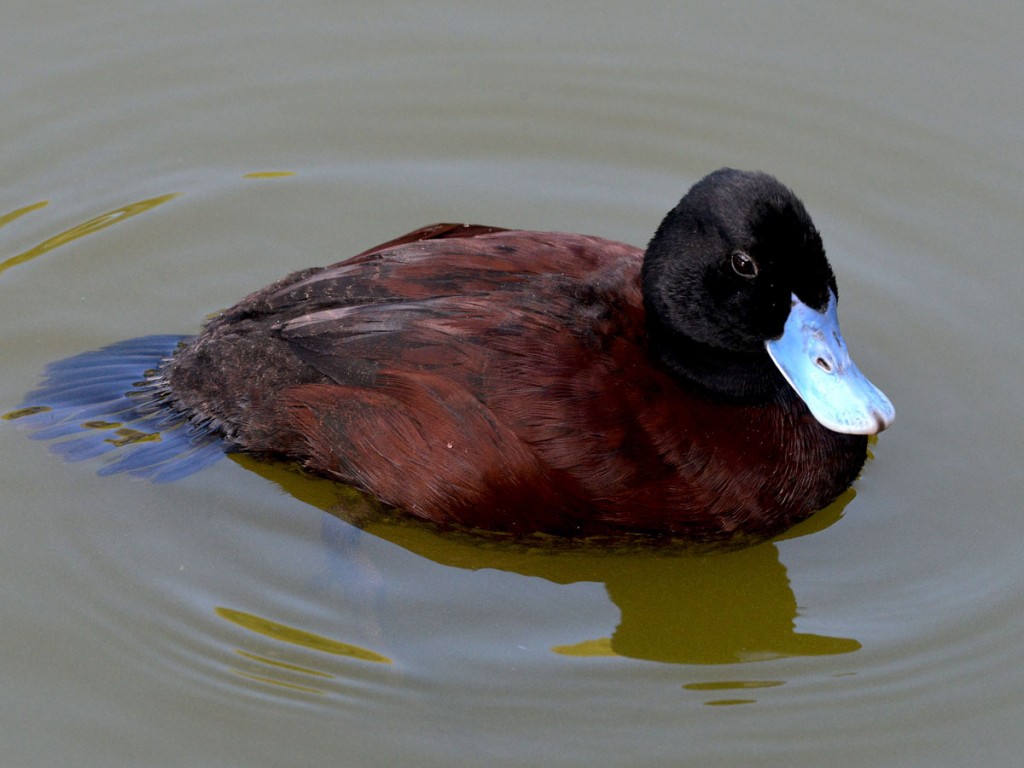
(536, 381)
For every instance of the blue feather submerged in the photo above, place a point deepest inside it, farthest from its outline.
(110, 403)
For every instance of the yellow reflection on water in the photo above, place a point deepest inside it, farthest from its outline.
(296, 637)
(269, 174)
(300, 637)
(283, 664)
(20, 413)
(95, 224)
(730, 685)
(280, 683)
(588, 648)
(125, 435)
(718, 608)
(7, 218)
(679, 603)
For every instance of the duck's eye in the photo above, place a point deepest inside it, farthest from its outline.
(743, 265)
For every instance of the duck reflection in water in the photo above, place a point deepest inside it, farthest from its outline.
(684, 605)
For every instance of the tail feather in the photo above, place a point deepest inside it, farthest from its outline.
(110, 403)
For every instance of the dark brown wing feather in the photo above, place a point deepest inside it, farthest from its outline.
(482, 345)
(433, 232)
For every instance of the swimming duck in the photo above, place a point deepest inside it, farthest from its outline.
(550, 382)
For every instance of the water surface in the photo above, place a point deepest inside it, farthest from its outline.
(163, 159)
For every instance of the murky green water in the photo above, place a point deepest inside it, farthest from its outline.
(229, 620)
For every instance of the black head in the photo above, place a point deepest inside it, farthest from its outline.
(718, 280)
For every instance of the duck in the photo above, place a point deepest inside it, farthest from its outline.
(553, 383)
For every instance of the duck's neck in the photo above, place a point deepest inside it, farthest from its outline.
(746, 378)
